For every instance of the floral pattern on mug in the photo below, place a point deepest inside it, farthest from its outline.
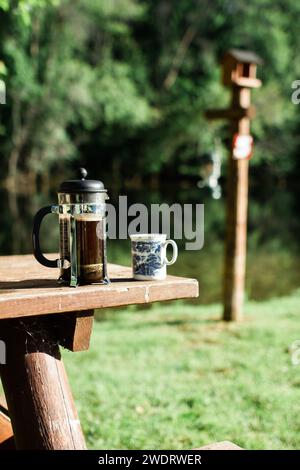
(149, 259)
(146, 257)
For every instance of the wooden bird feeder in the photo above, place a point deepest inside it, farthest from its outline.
(239, 69)
(238, 73)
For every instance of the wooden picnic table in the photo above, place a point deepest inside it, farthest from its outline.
(37, 316)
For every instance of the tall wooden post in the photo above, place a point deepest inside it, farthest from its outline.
(236, 225)
(239, 72)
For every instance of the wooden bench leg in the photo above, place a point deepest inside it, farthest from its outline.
(35, 384)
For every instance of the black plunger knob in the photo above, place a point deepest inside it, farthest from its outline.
(82, 173)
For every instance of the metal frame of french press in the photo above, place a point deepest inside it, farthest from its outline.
(239, 74)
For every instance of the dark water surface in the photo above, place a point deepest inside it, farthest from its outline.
(273, 264)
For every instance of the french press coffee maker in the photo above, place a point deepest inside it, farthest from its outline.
(81, 211)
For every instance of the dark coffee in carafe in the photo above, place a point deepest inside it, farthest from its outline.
(90, 240)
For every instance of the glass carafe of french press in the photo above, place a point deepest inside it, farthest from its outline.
(82, 222)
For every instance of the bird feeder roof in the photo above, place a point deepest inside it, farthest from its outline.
(243, 56)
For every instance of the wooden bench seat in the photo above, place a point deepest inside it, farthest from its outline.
(223, 445)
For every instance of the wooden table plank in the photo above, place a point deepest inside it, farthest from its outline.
(27, 288)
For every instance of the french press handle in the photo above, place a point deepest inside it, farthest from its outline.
(36, 238)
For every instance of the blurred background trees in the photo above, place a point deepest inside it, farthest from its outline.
(122, 85)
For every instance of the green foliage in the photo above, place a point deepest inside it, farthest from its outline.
(132, 79)
(118, 88)
(65, 81)
(24, 8)
(4, 4)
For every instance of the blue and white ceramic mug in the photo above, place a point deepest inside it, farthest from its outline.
(149, 255)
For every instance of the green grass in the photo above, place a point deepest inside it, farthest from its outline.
(173, 376)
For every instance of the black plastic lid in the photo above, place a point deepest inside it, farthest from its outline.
(82, 185)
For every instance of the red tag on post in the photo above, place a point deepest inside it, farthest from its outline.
(242, 147)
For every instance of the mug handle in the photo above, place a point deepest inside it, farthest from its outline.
(36, 237)
(175, 252)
